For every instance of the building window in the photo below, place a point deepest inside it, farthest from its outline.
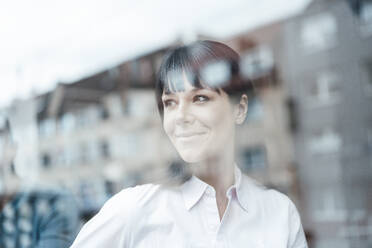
(46, 161)
(67, 122)
(253, 159)
(83, 153)
(365, 18)
(328, 204)
(71, 155)
(93, 151)
(324, 141)
(366, 70)
(114, 105)
(126, 145)
(369, 143)
(105, 149)
(216, 73)
(132, 144)
(47, 127)
(103, 113)
(60, 157)
(146, 106)
(325, 89)
(257, 62)
(82, 118)
(92, 114)
(319, 32)
(255, 110)
(368, 66)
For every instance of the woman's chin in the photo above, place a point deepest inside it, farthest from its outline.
(192, 157)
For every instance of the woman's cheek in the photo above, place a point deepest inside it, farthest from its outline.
(168, 126)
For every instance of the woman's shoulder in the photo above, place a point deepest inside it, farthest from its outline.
(131, 197)
(112, 224)
(269, 197)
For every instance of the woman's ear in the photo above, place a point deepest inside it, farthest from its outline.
(241, 109)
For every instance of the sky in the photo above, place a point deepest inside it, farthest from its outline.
(43, 42)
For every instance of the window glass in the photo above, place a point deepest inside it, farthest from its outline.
(369, 143)
(126, 145)
(254, 158)
(365, 18)
(92, 114)
(328, 204)
(105, 149)
(83, 153)
(114, 105)
(67, 123)
(324, 141)
(323, 88)
(71, 155)
(140, 103)
(319, 32)
(47, 127)
(45, 160)
(94, 153)
(366, 74)
(257, 62)
(327, 86)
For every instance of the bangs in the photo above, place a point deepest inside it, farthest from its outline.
(181, 68)
(175, 80)
(178, 69)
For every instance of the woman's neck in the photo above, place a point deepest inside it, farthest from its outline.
(218, 173)
(218, 170)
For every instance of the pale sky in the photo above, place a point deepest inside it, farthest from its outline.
(43, 42)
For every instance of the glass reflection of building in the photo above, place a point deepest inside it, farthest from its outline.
(327, 71)
(308, 131)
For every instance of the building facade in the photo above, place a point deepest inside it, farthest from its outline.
(308, 132)
(328, 72)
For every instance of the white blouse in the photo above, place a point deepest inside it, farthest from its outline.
(187, 216)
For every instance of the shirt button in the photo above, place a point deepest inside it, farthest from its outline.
(213, 227)
(209, 192)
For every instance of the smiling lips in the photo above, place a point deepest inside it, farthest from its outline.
(188, 136)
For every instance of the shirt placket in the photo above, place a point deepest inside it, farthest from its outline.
(221, 239)
(212, 215)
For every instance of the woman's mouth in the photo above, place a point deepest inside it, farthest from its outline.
(188, 136)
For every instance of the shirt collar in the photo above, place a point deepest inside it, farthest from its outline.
(241, 188)
(193, 189)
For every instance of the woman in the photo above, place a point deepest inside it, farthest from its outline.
(201, 98)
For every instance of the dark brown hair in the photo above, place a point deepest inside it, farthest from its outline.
(200, 62)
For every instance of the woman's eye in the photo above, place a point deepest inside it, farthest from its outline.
(169, 103)
(201, 98)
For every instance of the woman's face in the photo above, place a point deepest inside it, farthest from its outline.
(199, 122)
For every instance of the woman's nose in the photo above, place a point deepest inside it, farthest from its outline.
(184, 114)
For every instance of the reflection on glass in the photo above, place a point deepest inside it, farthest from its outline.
(325, 141)
(254, 158)
(319, 32)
